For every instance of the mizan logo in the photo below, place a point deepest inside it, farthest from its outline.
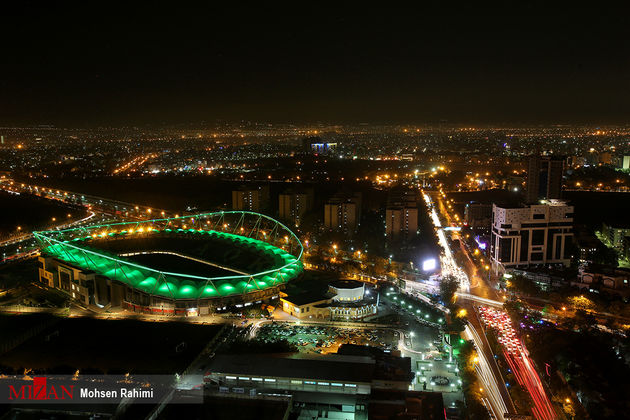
(40, 390)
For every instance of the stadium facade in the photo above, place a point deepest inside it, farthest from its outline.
(191, 265)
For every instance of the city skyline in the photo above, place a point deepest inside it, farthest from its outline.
(274, 212)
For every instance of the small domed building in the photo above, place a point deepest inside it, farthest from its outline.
(344, 300)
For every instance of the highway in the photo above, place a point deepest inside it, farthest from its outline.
(20, 247)
(447, 263)
(24, 249)
(478, 299)
(479, 283)
(98, 204)
(495, 399)
(496, 396)
(519, 361)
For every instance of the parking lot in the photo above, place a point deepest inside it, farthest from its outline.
(324, 339)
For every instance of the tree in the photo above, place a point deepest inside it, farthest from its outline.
(473, 409)
(513, 308)
(448, 287)
(456, 322)
(606, 256)
(584, 320)
(523, 285)
(616, 307)
(581, 302)
(380, 266)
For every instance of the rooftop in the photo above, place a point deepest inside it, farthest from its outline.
(346, 284)
(387, 404)
(306, 297)
(554, 202)
(351, 364)
(328, 367)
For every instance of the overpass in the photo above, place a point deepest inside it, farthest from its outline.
(479, 299)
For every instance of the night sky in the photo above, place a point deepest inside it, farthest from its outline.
(76, 64)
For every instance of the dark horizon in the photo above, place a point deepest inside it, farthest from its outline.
(72, 66)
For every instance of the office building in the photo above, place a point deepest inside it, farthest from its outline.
(531, 235)
(544, 178)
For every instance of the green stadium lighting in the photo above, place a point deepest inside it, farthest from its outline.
(79, 247)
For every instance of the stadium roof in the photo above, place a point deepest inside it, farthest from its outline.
(79, 248)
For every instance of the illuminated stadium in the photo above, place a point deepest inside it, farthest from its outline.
(192, 264)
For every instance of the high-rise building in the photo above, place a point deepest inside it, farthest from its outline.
(544, 178)
(343, 212)
(531, 235)
(293, 205)
(478, 216)
(340, 216)
(253, 198)
(401, 215)
(401, 221)
(615, 234)
(246, 200)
